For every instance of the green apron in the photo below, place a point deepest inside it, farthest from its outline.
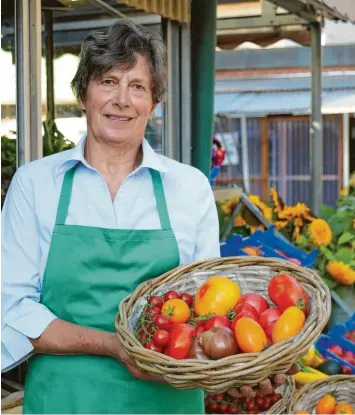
(88, 271)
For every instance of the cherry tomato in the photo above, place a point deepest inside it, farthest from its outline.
(216, 321)
(170, 295)
(267, 402)
(346, 370)
(251, 406)
(162, 322)
(233, 409)
(156, 301)
(285, 291)
(242, 307)
(241, 315)
(256, 300)
(213, 406)
(161, 338)
(275, 398)
(259, 402)
(218, 397)
(154, 311)
(250, 336)
(181, 337)
(154, 347)
(223, 407)
(200, 330)
(187, 298)
(176, 310)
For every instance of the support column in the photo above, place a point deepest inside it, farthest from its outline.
(346, 151)
(316, 131)
(185, 93)
(203, 44)
(48, 24)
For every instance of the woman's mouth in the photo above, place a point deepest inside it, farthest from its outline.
(118, 118)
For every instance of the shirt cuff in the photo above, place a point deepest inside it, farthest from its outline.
(14, 348)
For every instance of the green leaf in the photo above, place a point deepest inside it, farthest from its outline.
(340, 222)
(344, 255)
(330, 283)
(342, 291)
(346, 237)
(326, 212)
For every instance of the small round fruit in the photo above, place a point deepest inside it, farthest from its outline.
(170, 295)
(156, 301)
(161, 337)
(154, 311)
(217, 295)
(216, 321)
(162, 322)
(187, 298)
(343, 408)
(256, 300)
(250, 336)
(242, 315)
(326, 405)
(176, 310)
(153, 347)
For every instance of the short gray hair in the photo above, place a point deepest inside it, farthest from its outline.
(119, 44)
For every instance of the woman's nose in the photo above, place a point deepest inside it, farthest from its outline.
(122, 96)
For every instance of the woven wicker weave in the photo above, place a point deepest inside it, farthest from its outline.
(245, 368)
(288, 390)
(307, 397)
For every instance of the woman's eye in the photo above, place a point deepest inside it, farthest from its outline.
(107, 81)
(138, 87)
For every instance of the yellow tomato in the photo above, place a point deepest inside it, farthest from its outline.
(326, 405)
(289, 324)
(176, 310)
(250, 336)
(217, 295)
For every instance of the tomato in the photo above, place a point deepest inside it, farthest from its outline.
(326, 405)
(243, 306)
(223, 407)
(200, 330)
(143, 337)
(218, 397)
(343, 408)
(181, 337)
(170, 295)
(267, 402)
(255, 300)
(213, 406)
(346, 370)
(217, 295)
(153, 347)
(259, 402)
(176, 310)
(288, 325)
(161, 338)
(156, 301)
(242, 315)
(250, 336)
(187, 298)
(285, 291)
(251, 406)
(268, 319)
(162, 322)
(232, 409)
(154, 311)
(217, 321)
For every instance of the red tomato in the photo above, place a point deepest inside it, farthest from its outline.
(181, 337)
(154, 347)
(242, 306)
(217, 321)
(200, 330)
(213, 406)
(154, 311)
(162, 322)
(241, 315)
(161, 338)
(170, 295)
(143, 337)
(233, 409)
(285, 291)
(187, 298)
(156, 301)
(256, 300)
(259, 402)
(268, 319)
(223, 407)
(267, 402)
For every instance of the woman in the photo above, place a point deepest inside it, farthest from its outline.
(82, 228)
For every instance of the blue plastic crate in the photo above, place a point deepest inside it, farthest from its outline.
(338, 332)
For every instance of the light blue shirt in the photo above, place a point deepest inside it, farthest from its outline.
(28, 219)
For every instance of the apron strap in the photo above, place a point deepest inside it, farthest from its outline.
(65, 196)
(160, 199)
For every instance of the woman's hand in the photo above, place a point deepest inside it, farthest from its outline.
(118, 353)
(265, 387)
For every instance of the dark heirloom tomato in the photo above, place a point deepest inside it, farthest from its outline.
(285, 291)
(181, 337)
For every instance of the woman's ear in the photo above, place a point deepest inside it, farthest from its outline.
(81, 105)
(151, 115)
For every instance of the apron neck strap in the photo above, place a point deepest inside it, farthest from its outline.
(158, 188)
(160, 199)
(65, 196)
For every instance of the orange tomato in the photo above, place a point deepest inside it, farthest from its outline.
(250, 336)
(289, 324)
(217, 295)
(251, 250)
(326, 405)
(343, 408)
(302, 413)
(176, 310)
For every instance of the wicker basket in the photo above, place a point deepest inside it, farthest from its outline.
(307, 397)
(287, 391)
(246, 368)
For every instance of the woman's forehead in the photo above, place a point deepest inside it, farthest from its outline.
(140, 69)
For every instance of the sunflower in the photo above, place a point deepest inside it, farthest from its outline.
(320, 232)
(239, 221)
(341, 272)
(344, 192)
(229, 205)
(276, 200)
(264, 209)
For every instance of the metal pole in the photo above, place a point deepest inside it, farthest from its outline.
(245, 154)
(48, 15)
(346, 150)
(185, 88)
(35, 34)
(22, 81)
(316, 130)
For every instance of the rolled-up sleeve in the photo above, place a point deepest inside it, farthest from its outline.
(23, 316)
(207, 237)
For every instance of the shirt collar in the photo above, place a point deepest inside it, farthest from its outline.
(150, 160)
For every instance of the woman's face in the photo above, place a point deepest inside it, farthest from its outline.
(119, 104)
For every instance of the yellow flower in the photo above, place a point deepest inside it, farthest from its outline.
(229, 206)
(296, 233)
(280, 224)
(344, 192)
(265, 210)
(320, 232)
(341, 272)
(268, 214)
(239, 221)
(276, 200)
